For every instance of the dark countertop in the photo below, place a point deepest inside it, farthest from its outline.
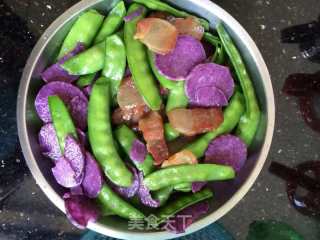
(26, 213)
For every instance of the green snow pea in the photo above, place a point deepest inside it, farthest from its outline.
(115, 62)
(112, 22)
(138, 62)
(232, 114)
(171, 176)
(170, 133)
(164, 81)
(218, 56)
(125, 136)
(181, 203)
(62, 120)
(110, 200)
(83, 30)
(87, 62)
(162, 195)
(183, 187)
(249, 122)
(86, 80)
(177, 98)
(100, 135)
(161, 6)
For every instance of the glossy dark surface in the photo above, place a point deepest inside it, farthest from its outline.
(26, 213)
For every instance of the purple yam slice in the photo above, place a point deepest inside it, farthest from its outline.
(68, 93)
(138, 151)
(209, 75)
(145, 195)
(177, 64)
(227, 150)
(75, 191)
(80, 210)
(210, 96)
(197, 186)
(187, 216)
(56, 73)
(48, 142)
(65, 175)
(133, 189)
(93, 178)
(74, 154)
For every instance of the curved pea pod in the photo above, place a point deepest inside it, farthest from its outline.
(125, 136)
(111, 201)
(219, 54)
(183, 187)
(100, 135)
(170, 133)
(86, 80)
(161, 6)
(84, 30)
(181, 203)
(164, 81)
(174, 175)
(138, 63)
(231, 115)
(87, 62)
(249, 122)
(162, 195)
(115, 62)
(61, 120)
(177, 98)
(112, 22)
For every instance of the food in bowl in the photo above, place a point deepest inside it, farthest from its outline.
(123, 92)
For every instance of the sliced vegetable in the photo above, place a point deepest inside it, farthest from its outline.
(93, 178)
(145, 196)
(157, 34)
(162, 195)
(80, 210)
(48, 142)
(56, 73)
(180, 158)
(204, 82)
(86, 80)
(74, 154)
(129, 192)
(177, 64)
(189, 26)
(197, 186)
(67, 92)
(138, 151)
(195, 121)
(227, 150)
(153, 133)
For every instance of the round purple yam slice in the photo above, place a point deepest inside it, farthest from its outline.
(133, 189)
(72, 96)
(177, 64)
(80, 210)
(209, 75)
(210, 96)
(138, 151)
(48, 142)
(227, 150)
(93, 178)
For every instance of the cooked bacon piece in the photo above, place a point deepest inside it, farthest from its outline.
(182, 157)
(189, 26)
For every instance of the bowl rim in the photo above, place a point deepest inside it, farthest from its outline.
(104, 229)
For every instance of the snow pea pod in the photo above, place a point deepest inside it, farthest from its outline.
(170, 133)
(115, 62)
(177, 98)
(83, 30)
(249, 122)
(138, 62)
(100, 135)
(183, 187)
(87, 62)
(174, 175)
(125, 136)
(162, 195)
(85, 80)
(218, 56)
(180, 203)
(109, 200)
(231, 114)
(161, 6)
(112, 22)
(62, 120)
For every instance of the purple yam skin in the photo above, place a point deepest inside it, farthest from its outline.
(80, 210)
(177, 64)
(74, 154)
(138, 151)
(93, 178)
(129, 192)
(184, 218)
(208, 75)
(67, 92)
(145, 195)
(227, 150)
(197, 186)
(209, 97)
(48, 142)
(56, 73)
(65, 175)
